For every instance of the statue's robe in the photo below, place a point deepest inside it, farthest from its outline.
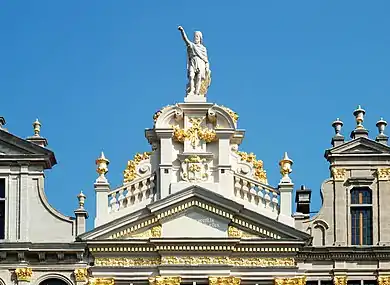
(197, 59)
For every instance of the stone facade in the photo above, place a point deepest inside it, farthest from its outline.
(196, 208)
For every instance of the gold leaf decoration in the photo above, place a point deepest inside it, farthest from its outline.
(130, 173)
(259, 173)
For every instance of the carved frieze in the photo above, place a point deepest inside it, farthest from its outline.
(228, 280)
(195, 260)
(165, 280)
(101, 281)
(338, 174)
(290, 281)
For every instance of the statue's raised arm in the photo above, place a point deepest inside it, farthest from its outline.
(198, 70)
(184, 36)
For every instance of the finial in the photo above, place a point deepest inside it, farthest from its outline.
(381, 125)
(37, 128)
(337, 124)
(2, 122)
(285, 168)
(359, 115)
(102, 167)
(81, 198)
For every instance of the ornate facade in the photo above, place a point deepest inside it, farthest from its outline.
(197, 209)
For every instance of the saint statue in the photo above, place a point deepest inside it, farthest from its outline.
(198, 71)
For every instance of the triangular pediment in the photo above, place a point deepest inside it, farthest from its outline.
(359, 146)
(13, 148)
(194, 213)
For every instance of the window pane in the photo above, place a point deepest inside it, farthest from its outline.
(2, 188)
(311, 282)
(370, 282)
(327, 282)
(361, 196)
(2, 218)
(355, 232)
(367, 226)
(353, 282)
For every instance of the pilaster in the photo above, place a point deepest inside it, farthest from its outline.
(24, 193)
(383, 176)
(340, 206)
(225, 176)
(166, 149)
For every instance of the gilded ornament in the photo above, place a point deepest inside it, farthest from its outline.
(383, 280)
(165, 280)
(195, 261)
(234, 232)
(340, 280)
(259, 173)
(159, 112)
(156, 231)
(383, 173)
(130, 173)
(127, 261)
(231, 113)
(338, 174)
(102, 165)
(101, 281)
(229, 280)
(81, 274)
(195, 133)
(23, 274)
(290, 281)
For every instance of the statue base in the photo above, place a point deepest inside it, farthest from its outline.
(195, 99)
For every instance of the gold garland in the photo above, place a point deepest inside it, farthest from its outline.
(260, 174)
(130, 173)
(231, 113)
(194, 133)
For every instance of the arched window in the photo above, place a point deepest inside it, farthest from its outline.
(53, 281)
(361, 216)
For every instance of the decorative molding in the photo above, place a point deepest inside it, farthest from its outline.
(234, 232)
(229, 280)
(383, 280)
(231, 113)
(130, 173)
(383, 174)
(186, 205)
(165, 280)
(340, 280)
(338, 174)
(80, 274)
(154, 232)
(290, 281)
(195, 261)
(101, 281)
(159, 112)
(23, 274)
(194, 169)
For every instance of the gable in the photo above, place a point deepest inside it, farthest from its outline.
(195, 213)
(15, 149)
(359, 146)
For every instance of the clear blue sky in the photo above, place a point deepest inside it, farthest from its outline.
(94, 72)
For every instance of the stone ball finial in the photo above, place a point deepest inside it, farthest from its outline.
(102, 167)
(285, 168)
(81, 197)
(337, 124)
(381, 125)
(359, 116)
(37, 128)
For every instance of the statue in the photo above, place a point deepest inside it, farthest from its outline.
(198, 71)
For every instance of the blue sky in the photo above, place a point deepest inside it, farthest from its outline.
(94, 72)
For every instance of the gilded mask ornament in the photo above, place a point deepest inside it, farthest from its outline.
(81, 274)
(194, 169)
(23, 274)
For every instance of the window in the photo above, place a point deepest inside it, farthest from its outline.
(354, 282)
(361, 216)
